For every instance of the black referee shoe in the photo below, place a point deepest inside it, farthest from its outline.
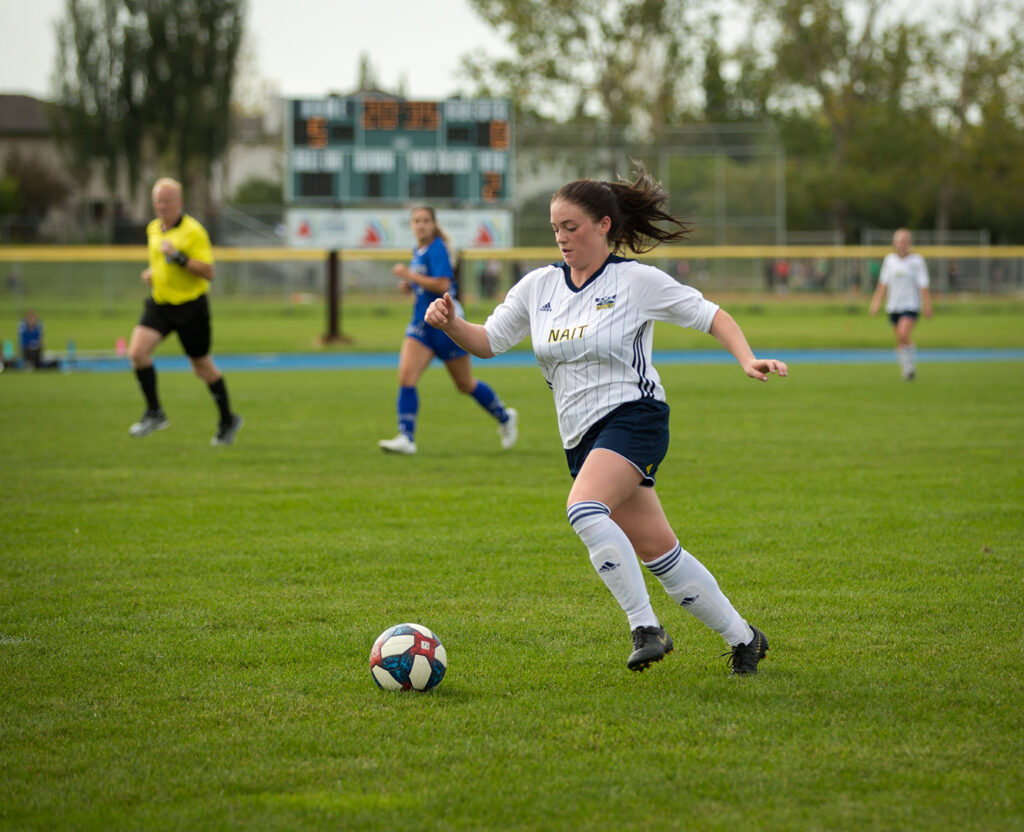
(743, 658)
(226, 431)
(151, 421)
(650, 645)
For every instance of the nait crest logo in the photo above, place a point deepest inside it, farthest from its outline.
(605, 302)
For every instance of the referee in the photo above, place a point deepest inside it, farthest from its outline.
(179, 275)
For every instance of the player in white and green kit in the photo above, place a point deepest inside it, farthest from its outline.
(590, 319)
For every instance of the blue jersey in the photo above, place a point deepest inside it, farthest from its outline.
(431, 261)
(31, 337)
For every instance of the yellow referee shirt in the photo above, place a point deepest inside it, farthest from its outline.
(172, 283)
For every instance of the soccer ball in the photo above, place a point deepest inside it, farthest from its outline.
(408, 656)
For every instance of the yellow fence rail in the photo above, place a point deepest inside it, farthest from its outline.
(94, 254)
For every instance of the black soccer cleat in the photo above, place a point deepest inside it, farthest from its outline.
(151, 421)
(743, 658)
(650, 645)
(226, 431)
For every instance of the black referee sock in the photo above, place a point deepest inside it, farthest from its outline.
(219, 391)
(147, 383)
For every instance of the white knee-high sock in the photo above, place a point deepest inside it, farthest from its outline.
(905, 358)
(614, 559)
(689, 583)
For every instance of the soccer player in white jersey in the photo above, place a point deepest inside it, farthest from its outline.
(590, 319)
(904, 282)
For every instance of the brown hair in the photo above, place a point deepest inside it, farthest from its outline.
(433, 216)
(633, 207)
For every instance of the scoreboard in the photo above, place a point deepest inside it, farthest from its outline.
(366, 149)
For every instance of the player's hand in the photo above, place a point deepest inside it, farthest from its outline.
(147, 276)
(441, 312)
(167, 247)
(761, 368)
(400, 270)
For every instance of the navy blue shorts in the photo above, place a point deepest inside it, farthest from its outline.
(191, 320)
(443, 346)
(637, 431)
(895, 316)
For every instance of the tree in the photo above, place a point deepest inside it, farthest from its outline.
(367, 74)
(260, 192)
(190, 71)
(841, 85)
(625, 62)
(716, 91)
(8, 196)
(99, 89)
(37, 186)
(147, 83)
(976, 76)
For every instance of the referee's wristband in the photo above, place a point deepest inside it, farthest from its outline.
(180, 258)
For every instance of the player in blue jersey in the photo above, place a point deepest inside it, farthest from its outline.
(590, 319)
(428, 277)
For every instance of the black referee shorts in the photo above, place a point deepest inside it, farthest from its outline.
(191, 320)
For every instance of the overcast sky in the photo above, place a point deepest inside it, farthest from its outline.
(303, 47)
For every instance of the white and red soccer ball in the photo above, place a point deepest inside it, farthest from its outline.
(408, 657)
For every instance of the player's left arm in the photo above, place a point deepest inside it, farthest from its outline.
(195, 254)
(926, 301)
(728, 333)
(198, 267)
(434, 285)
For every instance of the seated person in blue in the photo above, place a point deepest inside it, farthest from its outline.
(30, 343)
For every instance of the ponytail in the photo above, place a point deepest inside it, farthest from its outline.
(634, 207)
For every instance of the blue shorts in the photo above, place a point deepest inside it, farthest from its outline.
(895, 316)
(637, 431)
(443, 346)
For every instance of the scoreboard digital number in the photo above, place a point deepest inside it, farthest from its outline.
(372, 150)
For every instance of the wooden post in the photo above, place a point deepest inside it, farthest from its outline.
(335, 283)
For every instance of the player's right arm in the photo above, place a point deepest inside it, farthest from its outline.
(471, 337)
(876, 298)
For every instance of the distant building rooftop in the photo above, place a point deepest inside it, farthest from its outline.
(23, 115)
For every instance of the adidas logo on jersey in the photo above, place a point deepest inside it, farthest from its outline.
(546, 307)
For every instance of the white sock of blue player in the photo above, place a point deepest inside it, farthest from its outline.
(408, 406)
(689, 583)
(614, 559)
(489, 401)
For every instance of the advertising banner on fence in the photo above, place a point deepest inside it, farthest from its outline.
(336, 228)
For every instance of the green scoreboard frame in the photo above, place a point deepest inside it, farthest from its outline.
(367, 149)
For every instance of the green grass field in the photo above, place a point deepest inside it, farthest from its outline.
(375, 323)
(184, 630)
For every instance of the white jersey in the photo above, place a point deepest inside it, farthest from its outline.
(904, 278)
(593, 343)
